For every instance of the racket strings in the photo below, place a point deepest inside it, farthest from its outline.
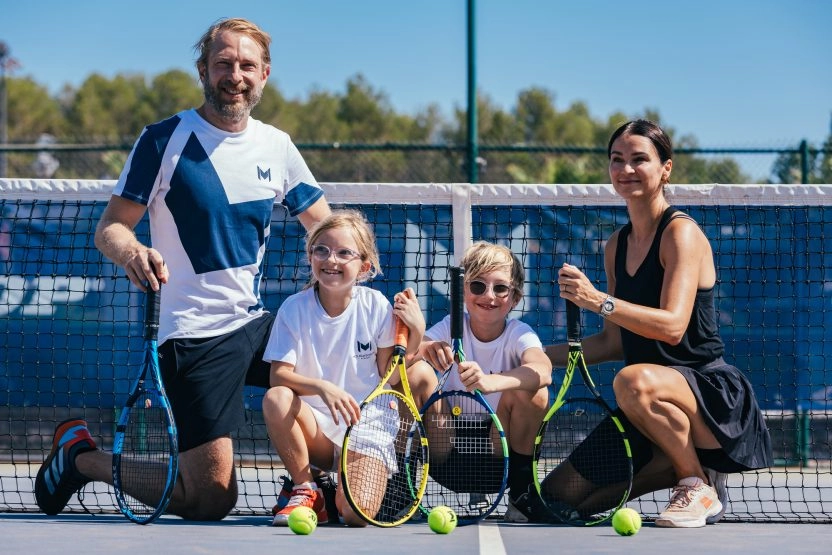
(385, 460)
(583, 463)
(146, 454)
(467, 462)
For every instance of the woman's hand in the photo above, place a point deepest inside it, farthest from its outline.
(576, 287)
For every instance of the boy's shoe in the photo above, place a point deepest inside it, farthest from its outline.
(312, 498)
(527, 508)
(719, 482)
(58, 479)
(326, 485)
(690, 506)
(518, 509)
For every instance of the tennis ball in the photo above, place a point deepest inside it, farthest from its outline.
(303, 521)
(442, 520)
(626, 522)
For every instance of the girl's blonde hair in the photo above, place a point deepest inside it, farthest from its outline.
(363, 234)
(483, 257)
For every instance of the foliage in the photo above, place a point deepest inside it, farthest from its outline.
(534, 141)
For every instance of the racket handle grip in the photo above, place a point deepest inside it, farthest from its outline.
(573, 322)
(457, 301)
(402, 334)
(153, 301)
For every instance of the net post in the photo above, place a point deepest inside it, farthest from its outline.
(461, 213)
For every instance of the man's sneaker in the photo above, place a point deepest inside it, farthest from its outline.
(690, 506)
(303, 497)
(58, 478)
(326, 485)
(719, 482)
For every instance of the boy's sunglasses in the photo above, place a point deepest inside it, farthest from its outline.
(499, 289)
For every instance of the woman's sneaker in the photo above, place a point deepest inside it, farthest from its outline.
(691, 504)
(58, 479)
(719, 482)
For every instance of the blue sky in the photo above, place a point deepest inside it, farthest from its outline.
(730, 73)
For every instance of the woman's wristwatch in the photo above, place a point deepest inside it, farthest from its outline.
(607, 307)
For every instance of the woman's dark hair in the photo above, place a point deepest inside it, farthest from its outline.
(648, 129)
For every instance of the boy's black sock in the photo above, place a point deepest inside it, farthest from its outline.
(519, 473)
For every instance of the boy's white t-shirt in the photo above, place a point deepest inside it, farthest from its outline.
(340, 349)
(494, 357)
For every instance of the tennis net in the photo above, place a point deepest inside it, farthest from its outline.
(70, 337)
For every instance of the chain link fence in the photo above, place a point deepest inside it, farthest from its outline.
(423, 163)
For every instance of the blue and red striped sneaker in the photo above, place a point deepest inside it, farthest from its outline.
(58, 479)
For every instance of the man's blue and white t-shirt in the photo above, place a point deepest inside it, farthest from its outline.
(210, 195)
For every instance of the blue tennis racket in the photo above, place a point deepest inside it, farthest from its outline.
(145, 449)
(469, 451)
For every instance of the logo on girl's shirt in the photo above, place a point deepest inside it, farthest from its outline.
(364, 351)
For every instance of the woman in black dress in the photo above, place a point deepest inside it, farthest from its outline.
(691, 417)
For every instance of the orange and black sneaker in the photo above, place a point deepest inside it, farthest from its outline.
(58, 479)
(326, 485)
(692, 503)
(303, 497)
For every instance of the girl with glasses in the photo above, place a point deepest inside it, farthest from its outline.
(329, 346)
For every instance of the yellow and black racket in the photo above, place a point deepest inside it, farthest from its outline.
(469, 452)
(384, 460)
(582, 462)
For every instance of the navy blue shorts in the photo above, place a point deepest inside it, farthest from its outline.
(204, 379)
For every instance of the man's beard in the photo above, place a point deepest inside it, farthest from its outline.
(237, 111)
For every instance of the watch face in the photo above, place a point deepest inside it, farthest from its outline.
(608, 306)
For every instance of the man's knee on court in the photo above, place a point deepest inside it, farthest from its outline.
(209, 501)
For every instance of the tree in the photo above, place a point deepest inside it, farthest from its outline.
(116, 110)
(171, 92)
(32, 112)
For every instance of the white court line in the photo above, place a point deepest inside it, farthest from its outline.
(491, 543)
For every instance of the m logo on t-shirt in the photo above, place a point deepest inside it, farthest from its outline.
(363, 350)
(264, 174)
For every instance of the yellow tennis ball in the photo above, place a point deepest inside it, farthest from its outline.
(303, 521)
(442, 520)
(626, 522)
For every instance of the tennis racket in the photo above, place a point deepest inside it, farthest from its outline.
(145, 449)
(469, 452)
(384, 459)
(582, 461)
